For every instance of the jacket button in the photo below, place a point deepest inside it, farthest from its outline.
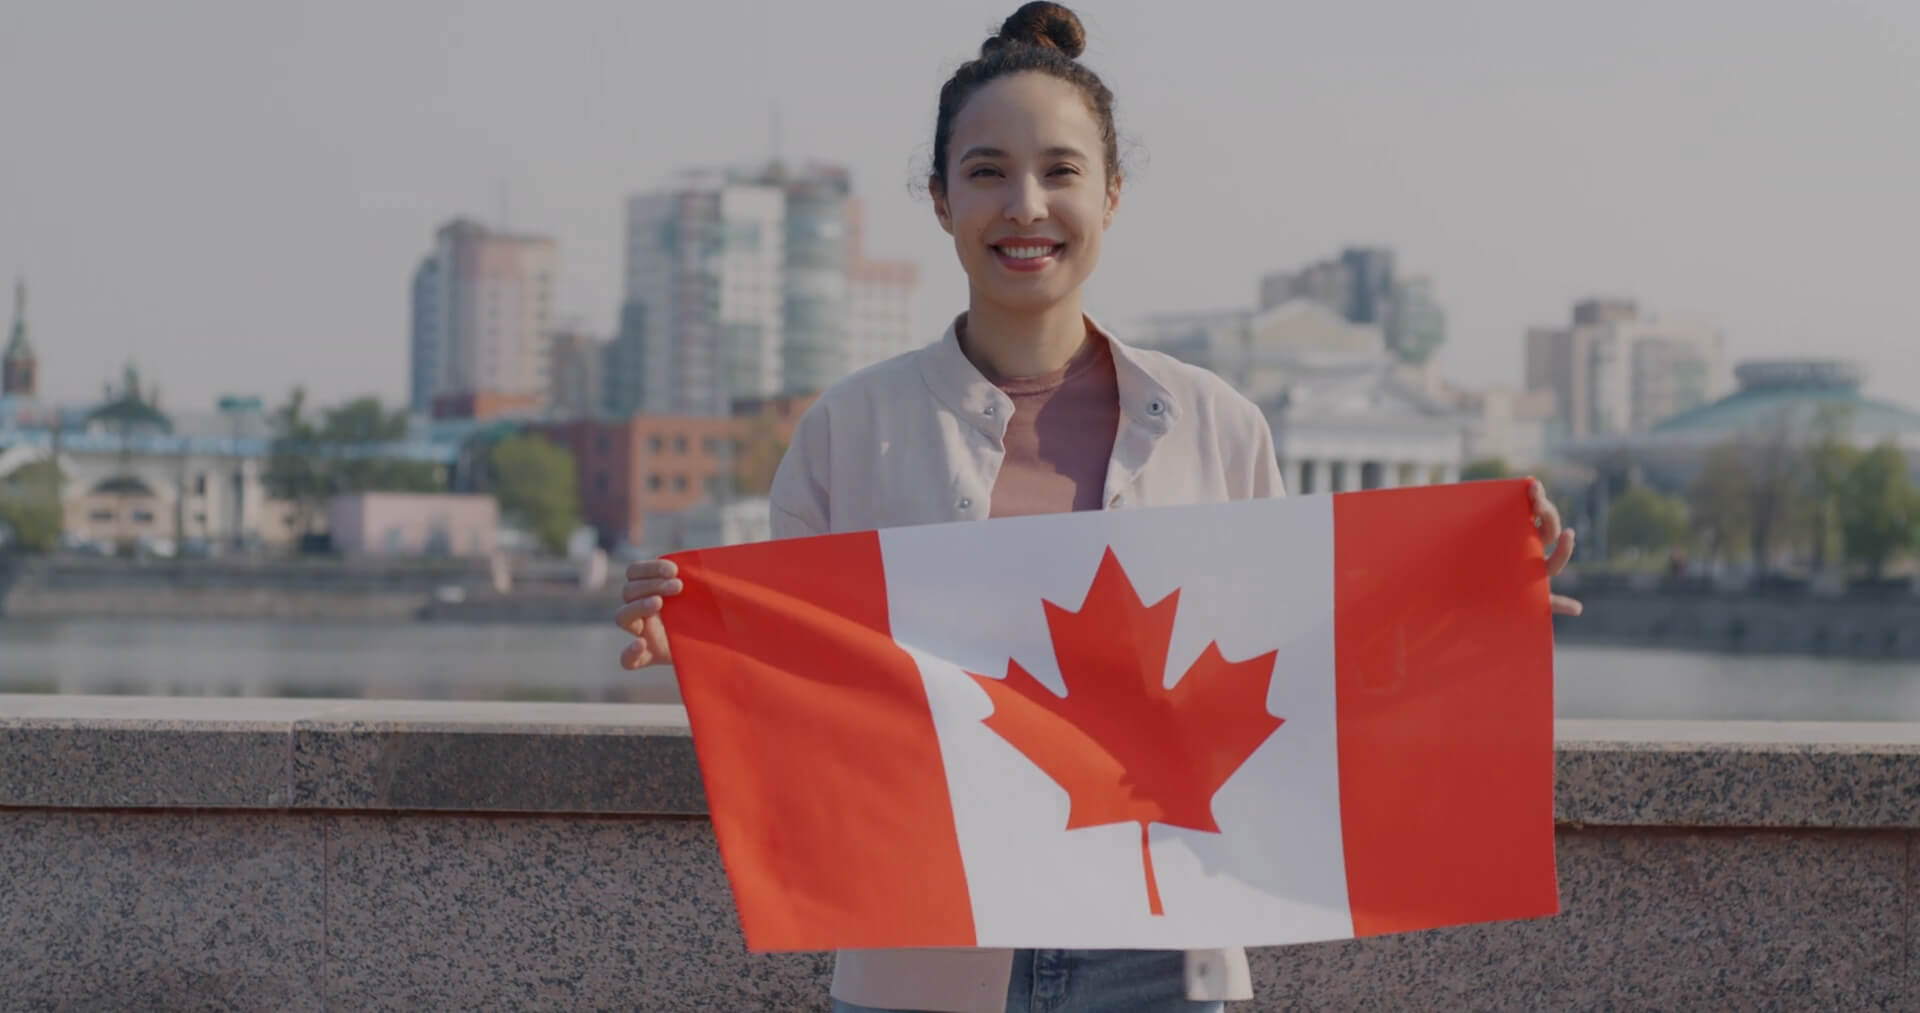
(1119, 501)
(1154, 407)
(965, 502)
(991, 409)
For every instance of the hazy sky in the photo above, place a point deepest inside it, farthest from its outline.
(235, 194)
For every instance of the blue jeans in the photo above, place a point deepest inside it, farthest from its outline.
(1092, 981)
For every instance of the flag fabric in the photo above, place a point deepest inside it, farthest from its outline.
(1251, 723)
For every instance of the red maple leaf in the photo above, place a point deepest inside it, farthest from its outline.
(1127, 749)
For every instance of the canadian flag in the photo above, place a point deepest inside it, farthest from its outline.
(1250, 723)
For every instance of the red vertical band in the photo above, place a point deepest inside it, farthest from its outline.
(1444, 661)
(817, 747)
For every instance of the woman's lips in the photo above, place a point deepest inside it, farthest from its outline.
(1027, 254)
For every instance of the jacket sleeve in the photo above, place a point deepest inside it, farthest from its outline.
(798, 497)
(1259, 475)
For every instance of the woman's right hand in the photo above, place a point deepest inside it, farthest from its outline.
(648, 585)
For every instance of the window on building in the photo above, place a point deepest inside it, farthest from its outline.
(200, 484)
(101, 516)
(600, 483)
(600, 443)
(679, 483)
(655, 443)
(680, 444)
(654, 482)
(143, 517)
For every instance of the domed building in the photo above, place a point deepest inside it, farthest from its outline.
(1786, 403)
(1795, 402)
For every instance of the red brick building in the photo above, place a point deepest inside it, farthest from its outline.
(661, 463)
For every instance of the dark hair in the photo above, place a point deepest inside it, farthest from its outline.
(1041, 37)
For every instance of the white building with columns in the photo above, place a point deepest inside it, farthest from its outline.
(1345, 414)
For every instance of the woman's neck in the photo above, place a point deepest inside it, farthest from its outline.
(1007, 345)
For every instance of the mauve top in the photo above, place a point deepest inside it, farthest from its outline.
(1060, 435)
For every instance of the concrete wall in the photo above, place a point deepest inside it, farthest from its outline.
(385, 524)
(294, 855)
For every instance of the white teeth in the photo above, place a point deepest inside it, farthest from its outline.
(1026, 252)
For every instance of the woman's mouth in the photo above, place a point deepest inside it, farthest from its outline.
(1027, 255)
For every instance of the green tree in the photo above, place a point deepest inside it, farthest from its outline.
(30, 505)
(353, 431)
(1646, 521)
(1775, 483)
(1484, 468)
(534, 480)
(1829, 460)
(1722, 503)
(310, 462)
(1879, 509)
(295, 471)
(757, 450)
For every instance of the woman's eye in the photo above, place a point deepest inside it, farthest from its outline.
(985, 170)
(1065, 170)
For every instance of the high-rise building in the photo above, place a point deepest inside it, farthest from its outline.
(1615, 370)
(483, 305)
(706, 259)
(880, 296)
(18, 366)
(815, 300)
(623, 375)
(1362, 286)
(575, 387)
(752, 284)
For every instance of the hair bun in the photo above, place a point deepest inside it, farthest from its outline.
(1044, 24)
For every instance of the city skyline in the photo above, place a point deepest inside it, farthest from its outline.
(229, 200)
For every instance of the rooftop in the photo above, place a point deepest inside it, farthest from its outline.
(1798, 393)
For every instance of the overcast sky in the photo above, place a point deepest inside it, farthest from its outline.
(235, 194)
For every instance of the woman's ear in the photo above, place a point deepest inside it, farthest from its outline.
(940, 208)
(1113, 199)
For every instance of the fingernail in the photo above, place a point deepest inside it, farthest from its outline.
(675, 587)
(669, 568)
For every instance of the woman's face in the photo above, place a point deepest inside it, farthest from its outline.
(1028, 194)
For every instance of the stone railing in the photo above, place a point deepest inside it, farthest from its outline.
(302, 855)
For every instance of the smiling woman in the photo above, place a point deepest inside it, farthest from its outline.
(1024, 406)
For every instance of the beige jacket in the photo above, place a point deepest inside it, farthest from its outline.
(918, 440)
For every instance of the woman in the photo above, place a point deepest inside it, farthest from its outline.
(1025, 406)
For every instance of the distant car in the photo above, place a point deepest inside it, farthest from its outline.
(155, 547)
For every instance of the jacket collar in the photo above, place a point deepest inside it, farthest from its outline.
(1145, 398)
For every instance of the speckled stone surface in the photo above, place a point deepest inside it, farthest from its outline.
(447, 912)
(1798, 920)
(161, 764)
(1738, 774)
(375, 761)
(75, 751)
(141, 751)
(159, 911)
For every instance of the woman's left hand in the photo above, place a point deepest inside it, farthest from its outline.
(1557, 542)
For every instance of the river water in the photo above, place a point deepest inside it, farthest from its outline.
(577, 663)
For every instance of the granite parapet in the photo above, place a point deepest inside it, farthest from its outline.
(392, 755)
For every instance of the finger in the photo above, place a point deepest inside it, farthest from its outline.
(635, 655)
(1545, 515)
(634, 590)
(651, 568)
(1564, 606)
(1562, 554)
(633, 614)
